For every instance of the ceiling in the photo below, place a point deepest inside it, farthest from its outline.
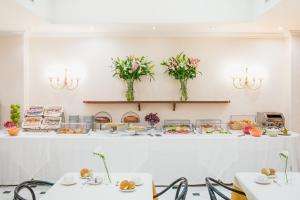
(144, 17)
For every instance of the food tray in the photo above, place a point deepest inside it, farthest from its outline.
(131, 117)
(53, 111)
(35, 111)
(32, 123)
(237, 122)
(72, 128)
(102, 117)
(177, 127)
(51, 123)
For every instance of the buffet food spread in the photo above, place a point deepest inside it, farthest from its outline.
(51, 118)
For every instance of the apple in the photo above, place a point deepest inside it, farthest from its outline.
(247, 129)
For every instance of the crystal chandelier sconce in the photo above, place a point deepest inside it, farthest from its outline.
(65, 83)
(246, 82)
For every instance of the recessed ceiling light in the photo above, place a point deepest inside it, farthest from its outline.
(280, 28)
(153, 28)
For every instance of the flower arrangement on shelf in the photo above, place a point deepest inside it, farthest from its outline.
(285, 156)
(98, 152)
(182, 68)
(152, 119)
(131, 69)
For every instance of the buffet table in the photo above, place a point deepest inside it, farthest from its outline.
(48, 156)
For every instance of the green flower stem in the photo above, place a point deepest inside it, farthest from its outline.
(130, 90)
(183, 90)
(285, 171)
(101, 156)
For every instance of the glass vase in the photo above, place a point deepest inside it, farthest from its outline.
(130, 90)
(183, 90)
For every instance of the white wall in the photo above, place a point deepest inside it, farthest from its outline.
(11, 74)
(295, 85)
(221, 58)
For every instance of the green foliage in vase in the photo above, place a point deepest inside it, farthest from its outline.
(182, 67)
(15, 114)
(133, 68)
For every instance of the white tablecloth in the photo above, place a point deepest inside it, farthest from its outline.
(48, 157)
(102, 191)
(272, 191)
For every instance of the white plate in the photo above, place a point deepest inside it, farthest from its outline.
(127, 190)
(68, 184)
(265, 182)
(272, 176)
(92, 181)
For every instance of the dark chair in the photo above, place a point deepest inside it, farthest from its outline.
(212, 190)
(28, 185)
(181, 191)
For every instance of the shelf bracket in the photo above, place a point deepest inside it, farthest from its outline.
(139, 106)
(174, 106)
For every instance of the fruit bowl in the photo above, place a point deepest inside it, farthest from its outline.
(13, 131)
(256, 132)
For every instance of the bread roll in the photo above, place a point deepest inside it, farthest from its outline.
(131, 119)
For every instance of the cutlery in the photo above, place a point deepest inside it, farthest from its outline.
(276, 183)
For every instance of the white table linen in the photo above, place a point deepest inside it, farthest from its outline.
(272, 191)
(105, 191)
(49, 156)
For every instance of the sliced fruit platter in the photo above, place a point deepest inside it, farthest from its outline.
(215, 131)
(177, 129)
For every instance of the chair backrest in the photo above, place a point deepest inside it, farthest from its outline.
(26, 185)
(181, 191)
(212, 190)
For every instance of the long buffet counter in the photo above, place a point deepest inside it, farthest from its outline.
(49, 156)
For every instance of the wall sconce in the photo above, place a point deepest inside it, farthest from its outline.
(246, 82)
(65, 83)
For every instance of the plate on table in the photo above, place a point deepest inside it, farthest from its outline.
(272, 176)
(263, 181)
(68, 184)
(281, 134)
(131, 190)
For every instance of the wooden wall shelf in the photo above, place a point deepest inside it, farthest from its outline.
(161, 102)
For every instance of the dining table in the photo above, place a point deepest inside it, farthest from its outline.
(278, 189)
(81, 190)
(47, 156)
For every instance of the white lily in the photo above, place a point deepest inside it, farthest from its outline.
(285, 155)
(98, 152)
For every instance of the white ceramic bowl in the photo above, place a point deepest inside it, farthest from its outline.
(272, 132)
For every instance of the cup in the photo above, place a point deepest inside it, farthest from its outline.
(68, 179)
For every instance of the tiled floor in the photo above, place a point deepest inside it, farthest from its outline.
(194, 193)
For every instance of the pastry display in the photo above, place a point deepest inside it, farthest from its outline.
(35, 111)
(268, 171)
(51, 123)
(86, 173)
(32, 122)
(72, 128)
(136, 128)
(130, 117)
(53, 111)
(103, 117)
(240, 124)
(127, 185)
